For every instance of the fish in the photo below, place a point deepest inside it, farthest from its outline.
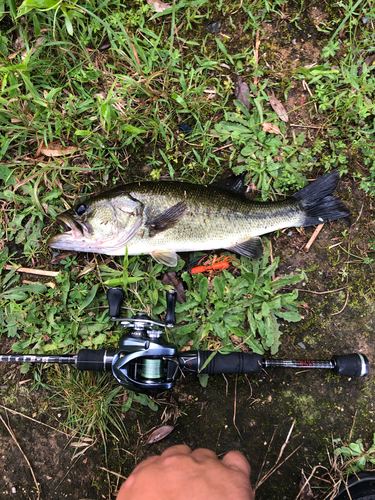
(162, 218)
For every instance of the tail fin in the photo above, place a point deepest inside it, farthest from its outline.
(319, 204)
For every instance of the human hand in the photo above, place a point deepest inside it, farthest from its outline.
(181, 474)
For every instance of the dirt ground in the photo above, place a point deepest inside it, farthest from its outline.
(253, 414)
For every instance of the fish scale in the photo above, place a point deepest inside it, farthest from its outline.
(162, 218)
(215, 216)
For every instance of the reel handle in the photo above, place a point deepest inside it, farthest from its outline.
(170, 317)
(115, 297)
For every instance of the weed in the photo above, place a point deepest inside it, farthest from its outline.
(92, 401)
(271, 162)
(216, 311)
(354, 456)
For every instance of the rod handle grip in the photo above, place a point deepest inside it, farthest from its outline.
(234, 362)
(352, 365)
(99, 360)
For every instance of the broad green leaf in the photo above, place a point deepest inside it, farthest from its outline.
(203, 379)
(345, 451)
(128, 403)
(356, 448)
(265, 309)
(361, 463)
(288, 316)
(191, 327)
(219, 287)
(89, 297)
(120, 281)
(203, 289)
(43, 5)
(231, 319)
(132, 129)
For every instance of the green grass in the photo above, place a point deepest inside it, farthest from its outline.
(75, 118)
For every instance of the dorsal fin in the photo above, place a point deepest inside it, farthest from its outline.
(234, 183)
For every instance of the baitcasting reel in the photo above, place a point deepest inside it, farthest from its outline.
(144, 362)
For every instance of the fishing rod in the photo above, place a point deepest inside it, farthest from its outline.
(145, 362)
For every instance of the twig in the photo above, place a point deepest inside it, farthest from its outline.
(313, 237)
(275, 468)
(24, 456)
(251, 389)
(352, 429)
(256, 55)
(264, 459)
(309, 478)
(359, 215)
(36, 421)
(321, 293)
(235, 12)
(277, 464)
(286, 442)
(346, 301)
(223, 147)
(114, 473)
(303, 126)
(217, 441)
(235, 408)
(306, 87)
(226, 384)
(8, 267)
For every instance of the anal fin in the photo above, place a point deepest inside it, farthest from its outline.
(252, 248)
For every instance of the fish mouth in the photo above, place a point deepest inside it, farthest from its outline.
(75, 235)
(74, 227)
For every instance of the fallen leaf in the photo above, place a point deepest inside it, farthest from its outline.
(158, 5)
(38, 42)
(270, 127)
(369, 61)
(160, 434)
(278, 108)
(305, 491)
(58, 151)
(87, 269)
(24, 381)
(19, 43)
(241, 91)
(62, 256)
(77, 444)
(171, 278)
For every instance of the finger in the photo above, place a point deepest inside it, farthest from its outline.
(202, 454)
(145, 463)
(237, 461)
(178, 449)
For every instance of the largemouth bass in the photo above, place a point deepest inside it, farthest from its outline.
(163, 218)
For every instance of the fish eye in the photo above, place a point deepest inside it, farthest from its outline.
(81, 209)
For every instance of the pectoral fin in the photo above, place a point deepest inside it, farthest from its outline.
(166, 219)
(165, 257)
(252, 248)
